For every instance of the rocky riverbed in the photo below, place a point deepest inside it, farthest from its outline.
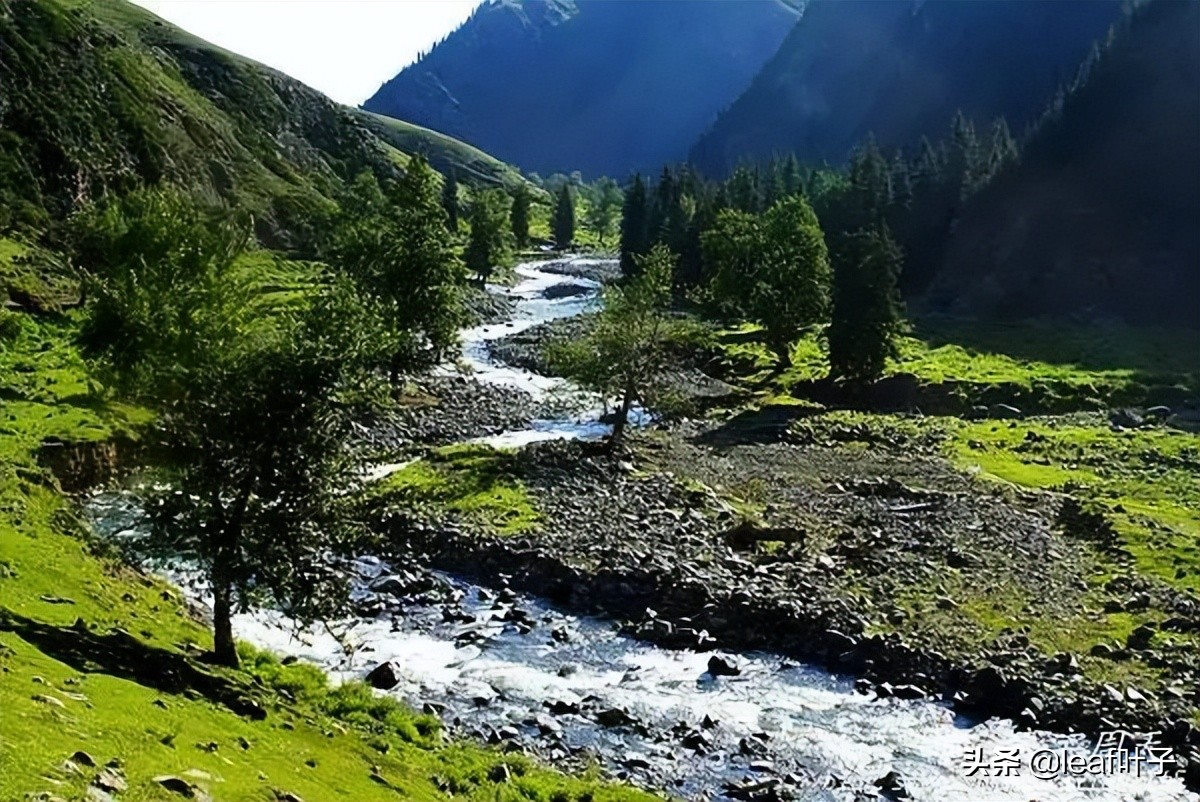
(673, 616)
(811, 579)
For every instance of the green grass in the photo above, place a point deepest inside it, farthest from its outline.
(474, 482)
(445, 153)
(105, 689)
(1060, 368)
(1146, 480)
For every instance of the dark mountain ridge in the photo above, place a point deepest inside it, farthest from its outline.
(600, 87)
(1100, 218)
(900, 70)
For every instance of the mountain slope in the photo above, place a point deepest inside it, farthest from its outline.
(1100, 217)
(601, 87)
(100, 96)
(900, 70)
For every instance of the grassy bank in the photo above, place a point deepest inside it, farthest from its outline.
(474, 483)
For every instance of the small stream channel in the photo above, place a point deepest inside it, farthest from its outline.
(510, 668)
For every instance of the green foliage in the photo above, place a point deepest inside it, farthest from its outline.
(489, 246)
(603, 201)
(634, 226)
(519, 216)
(773, 270)
(629, 345)
(161, 286)
(450, 201)
(253, 418)
(478, 483)
(397, 251)
(866, 317)
(564, 219)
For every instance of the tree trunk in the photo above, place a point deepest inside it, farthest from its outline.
(394, 369)
(224, 648)
(618, 433)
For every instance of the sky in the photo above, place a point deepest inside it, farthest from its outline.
(345, 48)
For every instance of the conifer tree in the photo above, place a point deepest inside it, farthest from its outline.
(634, 224)
(564, 219)
(450, 200)
(1003, 148)
(867, 311)
(519, 216)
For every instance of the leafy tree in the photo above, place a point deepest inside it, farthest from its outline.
(488, 245)
(253, 409)
(867, 311)
(401, 258)
(634, 226)
(450, 200)
(564, 219)
(604, 203)
(628, 346)
(519, 216)
(772, 269)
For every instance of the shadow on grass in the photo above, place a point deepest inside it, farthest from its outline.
(1153, 356)
(119, 654)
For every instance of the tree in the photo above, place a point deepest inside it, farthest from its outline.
(400, 257)
(634, 226)
(488, 245)
(772, 269)
(867, 311)
(450, 200)
(627, 348)
(564, 219)
(519, 216)
(604, 203)
(254, 405)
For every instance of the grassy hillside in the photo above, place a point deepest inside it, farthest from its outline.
(100, 96)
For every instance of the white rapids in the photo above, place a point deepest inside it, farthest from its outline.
(801, 724)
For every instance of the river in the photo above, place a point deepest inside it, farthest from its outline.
(505, 666)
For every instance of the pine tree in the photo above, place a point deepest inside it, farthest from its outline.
(519, 216)
(867, 310)
(967, 162)
(564, 219)
(1003, 149)
(450, 200)
(634, 223)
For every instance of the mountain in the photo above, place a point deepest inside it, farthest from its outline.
(100, 96)
(1100, 218)
(591, 85)
(900, 70)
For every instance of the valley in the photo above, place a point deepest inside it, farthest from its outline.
(821, 422)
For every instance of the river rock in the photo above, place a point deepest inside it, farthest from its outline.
(722, 667)
(383, 677)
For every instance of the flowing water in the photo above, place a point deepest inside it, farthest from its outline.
(510, 667)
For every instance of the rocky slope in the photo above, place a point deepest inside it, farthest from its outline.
(601, 87)
(900, 70)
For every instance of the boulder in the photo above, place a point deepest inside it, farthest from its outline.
(383, 677)
(722, 667)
